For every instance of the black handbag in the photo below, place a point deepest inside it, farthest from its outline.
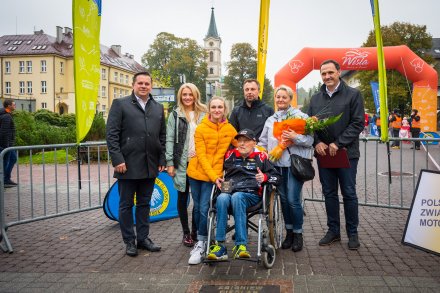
(301, 168)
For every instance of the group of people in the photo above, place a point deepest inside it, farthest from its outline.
(200, 148)
(404, 127)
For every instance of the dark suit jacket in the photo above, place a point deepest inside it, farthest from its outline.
(136, 137)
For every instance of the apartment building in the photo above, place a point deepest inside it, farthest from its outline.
(37, 72)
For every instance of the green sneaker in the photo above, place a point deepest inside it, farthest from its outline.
(240, 251)
(217, 252)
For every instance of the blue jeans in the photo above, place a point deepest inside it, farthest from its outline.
(201, 193)
(240, 201)
(346, 177)
(9, 161)
(290, 197)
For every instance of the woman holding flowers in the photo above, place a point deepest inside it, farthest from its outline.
(288, 142)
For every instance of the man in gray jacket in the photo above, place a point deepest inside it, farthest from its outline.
(136, 142)
(336, 97)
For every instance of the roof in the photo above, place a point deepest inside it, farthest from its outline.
(43, 44)
(212, 30)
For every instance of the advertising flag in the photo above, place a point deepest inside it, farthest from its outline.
(262, 42)
(86, 55)
(382, 71)
(375, 90)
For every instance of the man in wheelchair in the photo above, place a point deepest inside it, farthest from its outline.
(246, 169)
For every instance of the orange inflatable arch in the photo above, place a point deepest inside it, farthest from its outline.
(400, 58)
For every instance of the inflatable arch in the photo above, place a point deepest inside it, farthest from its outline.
(400, 58)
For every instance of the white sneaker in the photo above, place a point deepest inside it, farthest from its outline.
(197, 253)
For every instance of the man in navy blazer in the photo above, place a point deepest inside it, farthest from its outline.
(136, 143)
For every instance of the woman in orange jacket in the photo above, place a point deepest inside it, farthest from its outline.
(212, 138)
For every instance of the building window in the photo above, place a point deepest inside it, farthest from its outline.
(43, 105)
(43, 87)
(62, 67)
(22, 87)
(126, 79)
(116, 77)
(29, 87)
(43, 66)
(21, 66)
(115, 93)
(126, 92)
(7, 67)
(211, 56)
(121, 93)
(121, 78)
(211, 70)
(103, 91)
(8, 87)
(103, 108)
(29, 66)
(103, 73)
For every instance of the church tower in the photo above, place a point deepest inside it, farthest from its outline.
(213, 48)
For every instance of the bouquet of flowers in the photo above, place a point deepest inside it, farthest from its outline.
(301, 126)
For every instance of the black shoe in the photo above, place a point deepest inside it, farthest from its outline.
(287, 243)
(329, 238)
(417, 148)
(297, 242)
(10, 183)
(353, 242)
(147, 244)
(131, 249)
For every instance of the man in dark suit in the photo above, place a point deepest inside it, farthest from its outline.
(136, 142)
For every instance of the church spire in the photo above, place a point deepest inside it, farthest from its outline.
(212, 31)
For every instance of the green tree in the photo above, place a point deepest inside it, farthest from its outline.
(399, 33)
(170, 56)
(243, 65)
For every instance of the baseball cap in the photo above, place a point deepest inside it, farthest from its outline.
(246, 133)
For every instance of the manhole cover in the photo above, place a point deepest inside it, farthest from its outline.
(396, 174)
(241, 286)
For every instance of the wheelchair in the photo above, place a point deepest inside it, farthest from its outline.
(269, 226)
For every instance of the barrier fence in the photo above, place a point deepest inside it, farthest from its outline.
(57, 180)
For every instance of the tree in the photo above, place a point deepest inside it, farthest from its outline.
(170, 56)
(398, 33)
(243, 65)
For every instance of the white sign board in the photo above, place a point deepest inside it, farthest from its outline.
(423, 224)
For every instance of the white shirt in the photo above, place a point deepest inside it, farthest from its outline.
(141, 102)
(192, 129)
(331, 93)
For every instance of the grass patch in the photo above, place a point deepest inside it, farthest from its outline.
(49, 158)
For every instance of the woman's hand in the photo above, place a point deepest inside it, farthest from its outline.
(171, 171)
(218, 182)
(289, 134)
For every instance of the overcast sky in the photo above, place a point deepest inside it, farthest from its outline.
(134, 24)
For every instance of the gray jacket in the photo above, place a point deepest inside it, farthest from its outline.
(179, 179)
(302, 144)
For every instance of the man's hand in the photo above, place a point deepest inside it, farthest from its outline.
(333, 148)
(161, 168)
(320, 148)
(259, 176)
(171, 171)
(121, 168)
(218, 182)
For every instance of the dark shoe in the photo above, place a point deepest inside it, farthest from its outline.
(187, 240)
(353, 242)
(297, 242)
(194, 236)
(131, 249)
(10, 183)
(287, 243)
(147, 244)
(329, 238)
(418, 149)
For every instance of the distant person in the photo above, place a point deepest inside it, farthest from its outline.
(180, 148)
(7, 139)
(377, 122)
(365, 132)
(415, 127)
(213, 137)
(136, 143)
(396, 123)
(334, 98)
(253, 112)
(405, 129)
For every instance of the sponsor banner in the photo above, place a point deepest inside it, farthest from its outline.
(422, 229)
(163, 201)
(375, 90)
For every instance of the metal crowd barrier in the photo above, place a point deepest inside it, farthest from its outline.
(372, 184)
(55, 180)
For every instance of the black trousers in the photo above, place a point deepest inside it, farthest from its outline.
(415, 132)
(182, 209)
(143, 188)
(396, 134)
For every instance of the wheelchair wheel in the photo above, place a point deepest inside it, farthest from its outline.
(274, 221)
(268, 257)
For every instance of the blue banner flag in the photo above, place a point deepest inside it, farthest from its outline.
(375, 90)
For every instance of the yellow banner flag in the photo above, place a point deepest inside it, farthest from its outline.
(382, 72)
(262, 43)
(86, 56)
